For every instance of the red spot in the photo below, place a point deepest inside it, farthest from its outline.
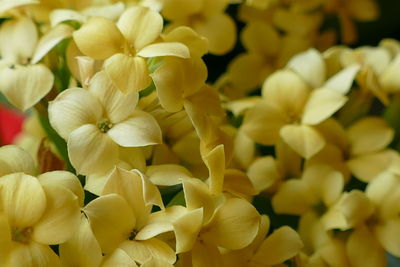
(10, 124)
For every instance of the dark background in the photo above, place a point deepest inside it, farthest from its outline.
(370, 33)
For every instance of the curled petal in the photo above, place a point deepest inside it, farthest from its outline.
(50, 40)
(165, 49)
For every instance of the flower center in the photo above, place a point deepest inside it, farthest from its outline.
(133, 234)
(105, 126)
(22, 235)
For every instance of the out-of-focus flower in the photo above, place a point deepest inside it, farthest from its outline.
(207, 18)
(10, 125)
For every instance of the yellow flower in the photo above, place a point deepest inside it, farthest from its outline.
(207, 18)
(117, 216)
(284, 243)
(24, 82)
(208, 222)
(36, 212)
(99, 120)
(294, 103)
(125, 46)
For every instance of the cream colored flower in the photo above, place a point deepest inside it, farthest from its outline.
(95, 122)
(125, 46)
(24, 81)
(36, 213)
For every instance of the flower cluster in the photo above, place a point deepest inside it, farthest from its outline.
(130, 156)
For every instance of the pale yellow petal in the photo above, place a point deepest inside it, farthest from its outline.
(111, 220)
(367, 167)
(234, 225)
(356, 208)
(238, 184)
(253, 65)
(18, 38)
(15, 159)
(117, 106)
(23, 199)
(34, 254)
(99, 38)
(303, 139)
(186, 8)
(264, 173)
(389, 79)
(205, 255)
(286, 90)
(322, 104)
(167, 174)
(65, 179)
(72, 109)
(58, 16)
(60, 219)
(24, 86)
(82, 249)
(387, 233)
(293, 197)
(176, 78)
(197, 195)
(261, 38)
(369, 134)
(380, 188)
(198, 45)
(186, 229)
(140, 129)
(165, 49)
(50, 40)
(91, 151)
(263, 122)
(324, 181)
(128, 73)
(119, 258)
(5, 238)
(143, 250)
(220, 30)
(310, 66)
(283, 244)
(215, 162)
(342, 81)
(361, 243)
(140, 25)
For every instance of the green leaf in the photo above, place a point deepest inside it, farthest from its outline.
(178, 200)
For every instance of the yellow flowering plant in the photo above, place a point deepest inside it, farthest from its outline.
(198, 133)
